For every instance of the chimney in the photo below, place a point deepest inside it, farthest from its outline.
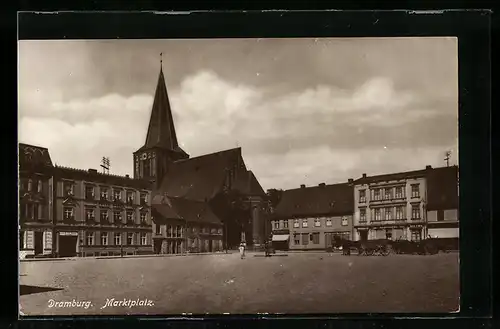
(127, 176)
(350, 180)
(93, 171)
(428, 167)
(302, 186)
(364, 175)
(322, 184)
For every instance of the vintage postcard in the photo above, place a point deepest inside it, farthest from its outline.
(241, 176)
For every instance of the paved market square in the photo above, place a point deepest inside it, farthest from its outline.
(298, 283)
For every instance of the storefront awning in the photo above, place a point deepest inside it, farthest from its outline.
(281, 237)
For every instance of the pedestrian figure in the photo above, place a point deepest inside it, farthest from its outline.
(242, 250)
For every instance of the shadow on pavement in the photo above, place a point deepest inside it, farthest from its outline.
(27, 290)
(281, 255)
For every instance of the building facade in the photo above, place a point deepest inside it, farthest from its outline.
(442, 207)
(409, 205)
(98, 214)
(184, 226)
(311, 218)
(35, 217)
(390, 206)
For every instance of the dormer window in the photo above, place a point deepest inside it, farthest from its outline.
(39, 187)
(30, 185)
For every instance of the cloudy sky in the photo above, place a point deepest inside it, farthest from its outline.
(304, 111)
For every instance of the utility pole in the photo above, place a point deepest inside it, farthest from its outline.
(447, 158)
(105, 164)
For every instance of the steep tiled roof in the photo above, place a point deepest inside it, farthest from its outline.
(185, 209)
(337, 199)
(201, 178)
(248, 184)
(161, 130)
(442, 188)
(33, 156)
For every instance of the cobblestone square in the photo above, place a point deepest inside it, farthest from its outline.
(295, 283)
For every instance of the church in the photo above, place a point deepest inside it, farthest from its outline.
(205, 203)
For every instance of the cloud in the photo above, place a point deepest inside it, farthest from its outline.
(323, 133)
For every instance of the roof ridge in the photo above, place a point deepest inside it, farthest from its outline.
(32, 145)
(208, 154)
(96, 172)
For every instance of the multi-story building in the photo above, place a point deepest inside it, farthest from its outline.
(35, 220)
(442, 203)
(182, 225)
(97, 214)
(310, 218)
(394, 206)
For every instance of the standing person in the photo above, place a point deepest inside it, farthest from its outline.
(242, 250)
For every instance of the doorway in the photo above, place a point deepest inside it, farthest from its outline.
(363, 235)
(67, 245)
(209, 245)
(157, 246)
(38, 243)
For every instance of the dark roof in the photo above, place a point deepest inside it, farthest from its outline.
(337, 199)
(248, 184)
(161, 130)
(185, 209)
(442, 188)
(99, 178)
(31, 156)
(391, 177)
(201, 178)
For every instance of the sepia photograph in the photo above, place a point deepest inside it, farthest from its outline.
(238, 176)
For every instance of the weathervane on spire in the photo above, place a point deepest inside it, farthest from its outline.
(161, 60)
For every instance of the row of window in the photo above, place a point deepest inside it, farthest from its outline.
(390, 213)
(389, 193)
(32, 211)
(416, 234)
(307, 238)
(90, 214)
(117, 194)
(317, 223)
(131, 239)
(176, 231)
(29, 185)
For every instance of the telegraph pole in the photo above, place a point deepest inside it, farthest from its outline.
(105, 164)
(447, 158)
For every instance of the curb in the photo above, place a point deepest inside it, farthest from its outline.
(118, 257)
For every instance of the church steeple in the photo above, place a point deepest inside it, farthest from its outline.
(161, 130)
(161, 145)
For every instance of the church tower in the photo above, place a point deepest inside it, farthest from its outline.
(161, 146)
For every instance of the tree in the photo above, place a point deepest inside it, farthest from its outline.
(234, 211)
(274, 197)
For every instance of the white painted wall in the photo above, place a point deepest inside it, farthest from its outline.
(444, 232)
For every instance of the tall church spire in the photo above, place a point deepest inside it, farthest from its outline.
(161, 130)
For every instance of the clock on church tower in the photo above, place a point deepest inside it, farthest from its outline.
(161, 146)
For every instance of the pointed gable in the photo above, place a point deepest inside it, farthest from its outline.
(161, 130)
(31, 156)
